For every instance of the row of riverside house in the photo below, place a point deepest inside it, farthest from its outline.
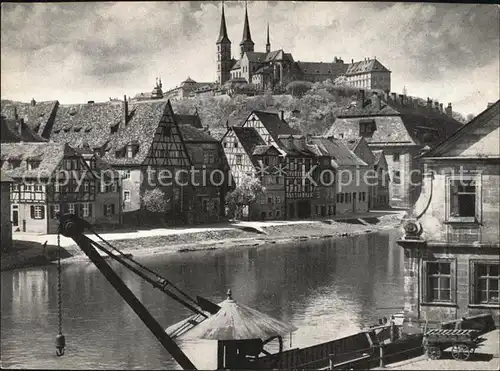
(370, 151)
(116, 153)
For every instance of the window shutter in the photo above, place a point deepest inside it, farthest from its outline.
(42, 209)
(52, 212)
(472, 282)
(90, 209)
(32, 211)
(424, 282)
(479, 201)
(453, 281)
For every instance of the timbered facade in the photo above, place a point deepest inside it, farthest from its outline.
(6, 226)
(48, 177)
(247, 153)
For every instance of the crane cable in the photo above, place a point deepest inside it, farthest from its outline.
(163, 280)
(60, 339)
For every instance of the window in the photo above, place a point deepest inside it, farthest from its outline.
(130, 152)
(235, 144)
(125, 174)
(439, 284)
(463, 198)
(278, 199)
(269, 200)
(126, 196)
(86, 210)
(239, 159)
(278, 213)
(71, 208)
(485, 279)
(109, 210)
(32, 165)
(395, 157)
(37, 212)
(396, 177)
(205, 206)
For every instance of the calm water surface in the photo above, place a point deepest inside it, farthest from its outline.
(328, 289)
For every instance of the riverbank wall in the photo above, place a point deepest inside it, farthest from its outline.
(240, 234)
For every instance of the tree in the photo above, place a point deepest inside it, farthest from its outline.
(298, 88)
(470, 117)
(154, 201)
(248, 190)
(459, 117)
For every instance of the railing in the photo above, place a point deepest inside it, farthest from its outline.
(352, 352)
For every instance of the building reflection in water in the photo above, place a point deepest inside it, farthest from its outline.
(30, 295)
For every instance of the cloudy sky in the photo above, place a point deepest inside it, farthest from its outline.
(75, 52)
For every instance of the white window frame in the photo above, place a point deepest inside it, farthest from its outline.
(476, 177)
(126, 198)
(39, 212)
(71, 208)
(85, 208)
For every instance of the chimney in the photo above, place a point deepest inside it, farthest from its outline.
(436, 106)
(429, 103)
(361, 98)
(441, 108)
(125, 110)
(401, 99)
(282, 115)
(449, 110)
(394, 97)
(352, 61)
(376, 101)
(16, 117)
(227, 124)
(33, 101)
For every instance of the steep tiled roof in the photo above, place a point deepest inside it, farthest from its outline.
(351, 143)
(80, 124)
(37, 116)
(369, 65)
(278, 55)
(236, 65)
(249, 139)
(141, 127)
(193, 120)
(338, 151)
(262, 149)
(10, 132)
(394, 123)
(4, 178)
(192, 134)
(334, 69)
(256, 57)
(274, 125)
(49, 155)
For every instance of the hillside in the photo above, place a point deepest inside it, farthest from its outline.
(313, 112)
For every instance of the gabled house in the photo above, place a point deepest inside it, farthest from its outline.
(451, 240)
(38, 116)
(48, 177)
(377, 177)
(13, 131)
(400, 126)
(247, 153)
(351, 188)
(297, 160)
(6, 225)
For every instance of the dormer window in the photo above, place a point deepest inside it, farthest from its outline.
(15, 163)
(114, 128)
(132, 150)
(367, 127)
(32, 165)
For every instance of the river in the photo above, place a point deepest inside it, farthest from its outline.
(326, 288)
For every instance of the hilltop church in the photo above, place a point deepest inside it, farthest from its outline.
(273, 68)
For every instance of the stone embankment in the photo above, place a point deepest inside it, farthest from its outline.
(147, 242)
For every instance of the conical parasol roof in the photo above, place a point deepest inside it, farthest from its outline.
(236, 321)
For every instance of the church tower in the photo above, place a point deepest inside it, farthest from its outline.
(224, 60)
(268, 43)
(246, 44)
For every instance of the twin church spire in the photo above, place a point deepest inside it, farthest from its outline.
(246, 44)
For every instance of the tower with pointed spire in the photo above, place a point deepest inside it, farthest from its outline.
(246, 44)
(224, 60)
(268, 43)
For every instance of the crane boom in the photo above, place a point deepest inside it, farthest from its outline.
(73, 227)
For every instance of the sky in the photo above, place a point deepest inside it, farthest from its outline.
(76, 52)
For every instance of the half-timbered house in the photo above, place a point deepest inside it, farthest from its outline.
(247, 153)
(48, 177)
